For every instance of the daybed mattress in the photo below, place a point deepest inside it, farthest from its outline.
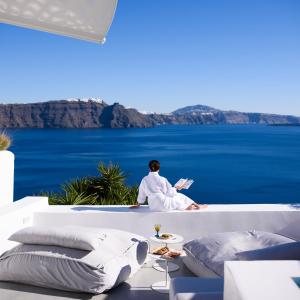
(206, 255)
(121, 254)
(198, 267)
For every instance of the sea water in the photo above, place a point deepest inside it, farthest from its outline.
(229, 163)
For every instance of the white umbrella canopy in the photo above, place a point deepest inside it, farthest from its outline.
(82, 19)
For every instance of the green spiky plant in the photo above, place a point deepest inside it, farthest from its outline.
(5, 141)
(109, 188)
(73, 193)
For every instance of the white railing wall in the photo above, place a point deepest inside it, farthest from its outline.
(275, 218)
(6, 177)
(284, 219)
(18, 215)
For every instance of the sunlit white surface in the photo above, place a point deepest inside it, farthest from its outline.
(83, 19)
(17, 215)
(261, 280)
(6, 177)
(283, 219)
(217, 218)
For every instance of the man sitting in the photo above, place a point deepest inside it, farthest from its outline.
(160, 193)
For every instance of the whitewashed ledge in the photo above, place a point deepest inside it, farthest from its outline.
(16, 215)
(277, 218)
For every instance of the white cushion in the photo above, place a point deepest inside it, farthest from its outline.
(214, 249)
(77, 237)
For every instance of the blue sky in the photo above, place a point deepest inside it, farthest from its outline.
(165, 54)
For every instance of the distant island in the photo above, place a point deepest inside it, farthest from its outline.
(285, 124)
(95, 113)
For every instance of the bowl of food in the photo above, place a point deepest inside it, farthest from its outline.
(160, 250)
(165, 236)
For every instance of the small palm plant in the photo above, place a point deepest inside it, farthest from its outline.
(73, 194)
(5, 141)
(109, 188)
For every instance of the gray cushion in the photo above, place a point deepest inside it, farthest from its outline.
(77, 237)
(213, 250)
(288, 251)
(121, 254)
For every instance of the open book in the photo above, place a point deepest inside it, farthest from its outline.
(185, 183)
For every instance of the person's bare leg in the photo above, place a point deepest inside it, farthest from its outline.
(192, 207)
(201, 206)
(195, 206)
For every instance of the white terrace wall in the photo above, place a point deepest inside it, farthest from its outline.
(284, 219)
(6, 177)
(17, 215)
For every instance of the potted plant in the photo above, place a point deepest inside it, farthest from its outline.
(6, 170)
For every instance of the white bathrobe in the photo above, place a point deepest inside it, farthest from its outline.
(161, 195)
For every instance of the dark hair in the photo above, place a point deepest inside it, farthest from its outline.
(154, 165)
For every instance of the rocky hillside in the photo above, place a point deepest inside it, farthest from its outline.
(71, 114)
(93, 113)
(201, 114)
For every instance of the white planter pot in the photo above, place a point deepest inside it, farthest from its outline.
(6, 177)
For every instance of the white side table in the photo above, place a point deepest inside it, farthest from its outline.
(163, 286)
